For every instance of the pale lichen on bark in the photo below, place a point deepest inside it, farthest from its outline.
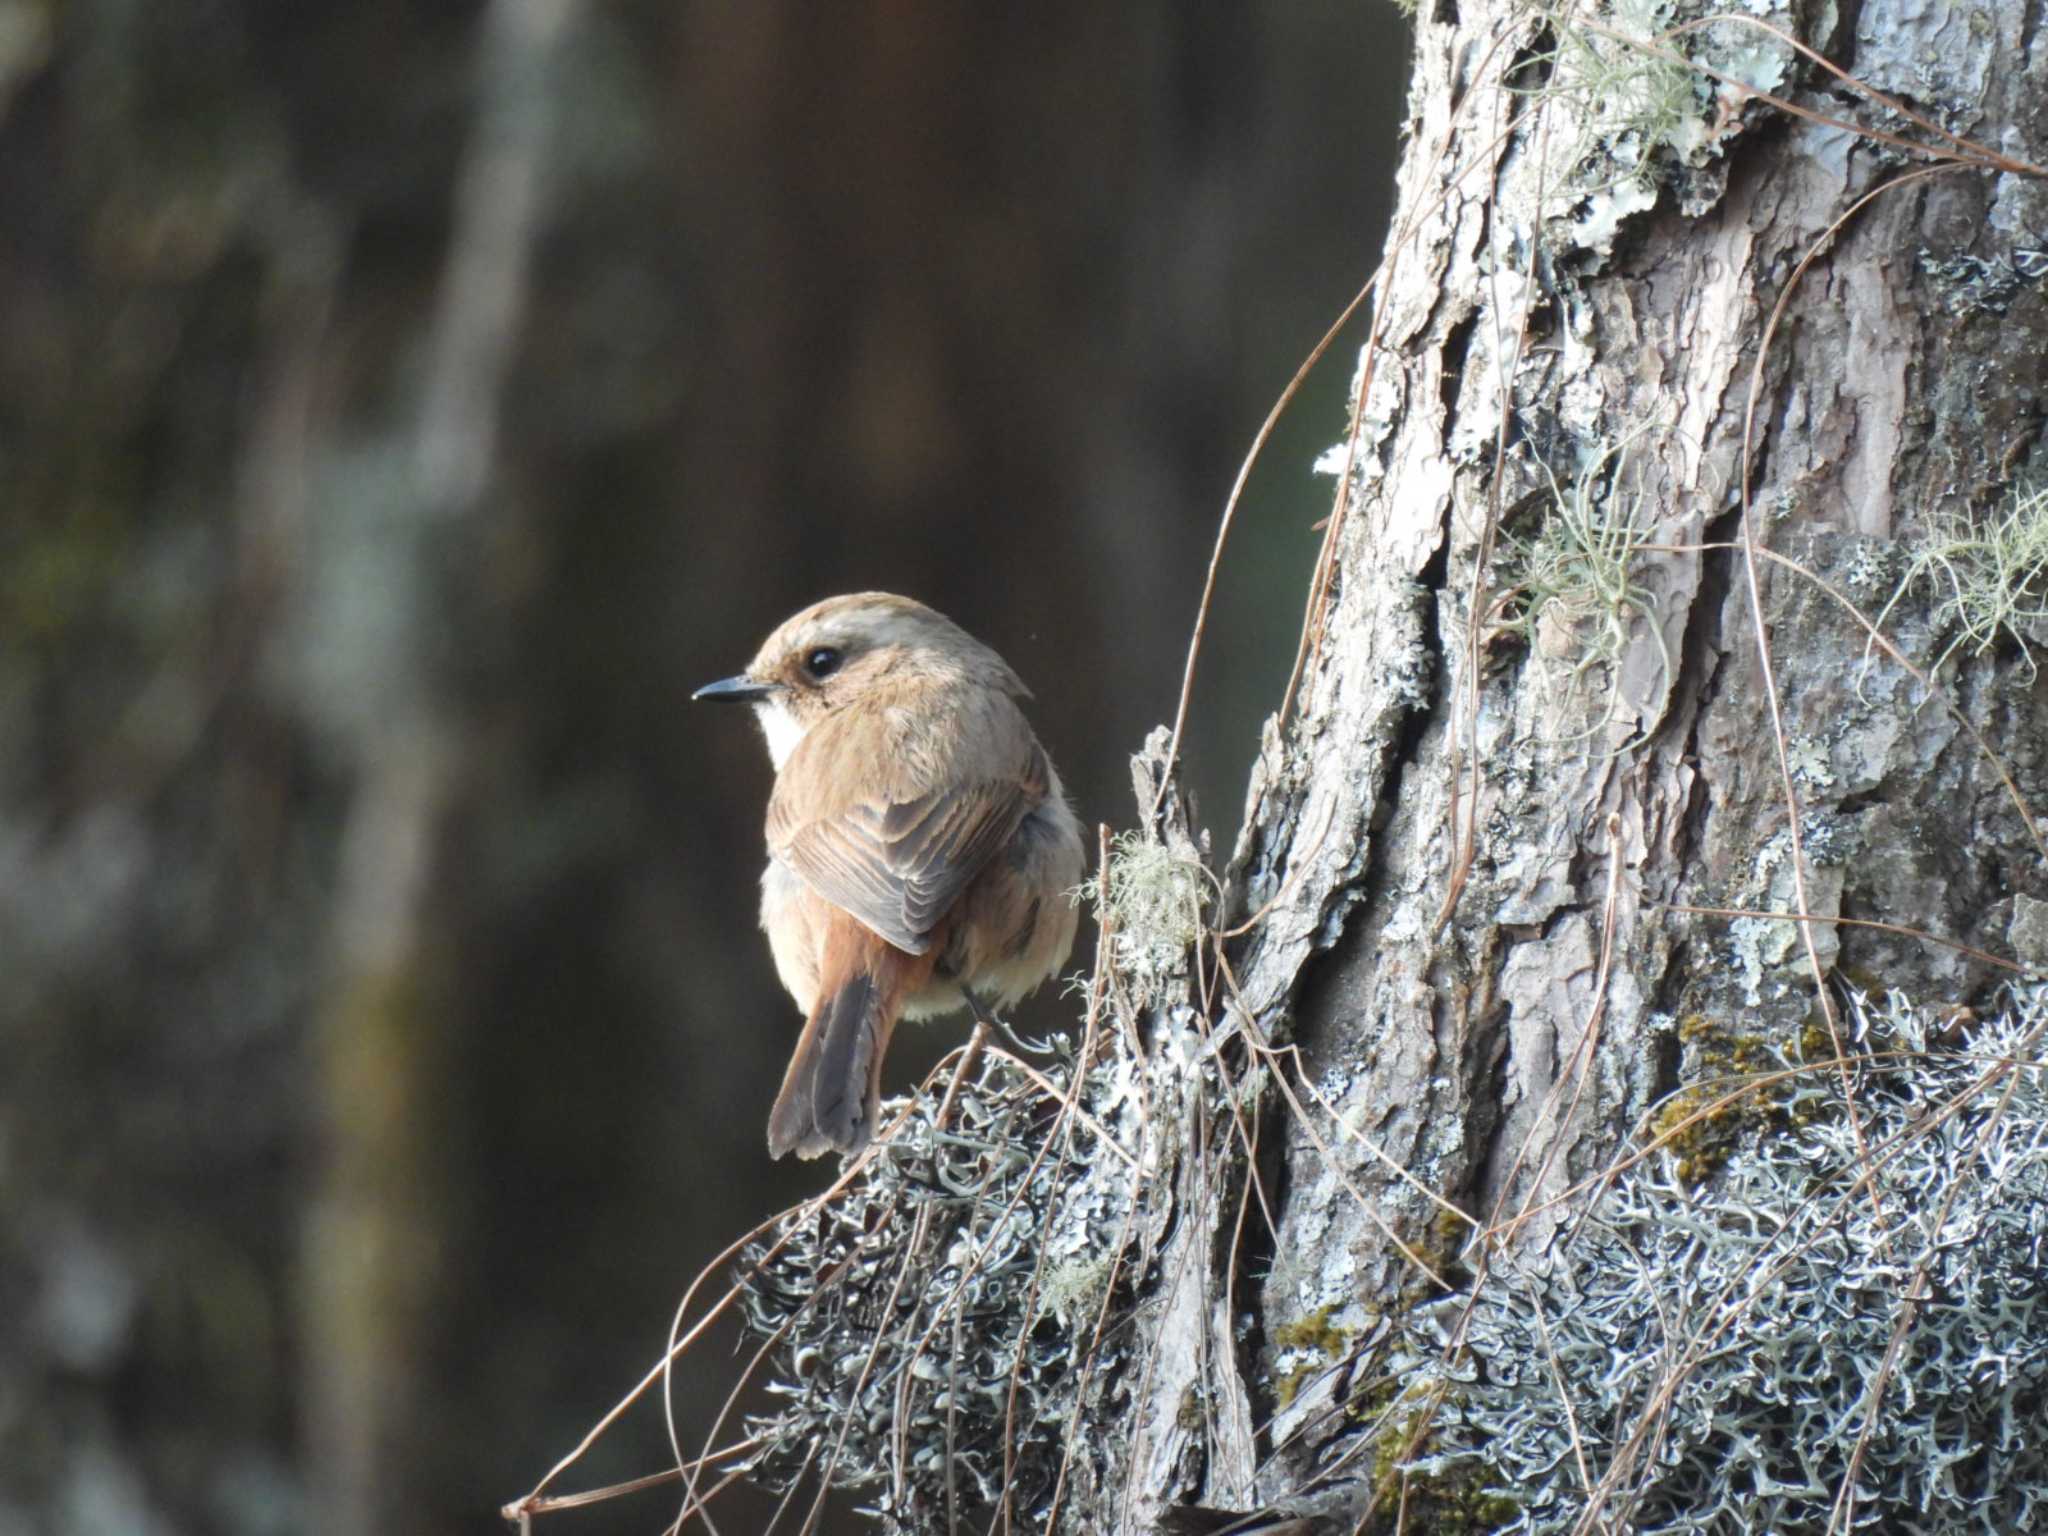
(1462, 1053)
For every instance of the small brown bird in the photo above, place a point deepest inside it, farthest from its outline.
(920, 847)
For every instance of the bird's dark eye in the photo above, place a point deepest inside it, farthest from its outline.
(824, 661)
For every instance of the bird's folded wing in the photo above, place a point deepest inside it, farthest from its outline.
(898, 865)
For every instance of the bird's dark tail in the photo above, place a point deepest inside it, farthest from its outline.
(833, 1086)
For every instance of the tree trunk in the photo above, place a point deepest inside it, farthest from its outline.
(1556, 700)
(1690, 566)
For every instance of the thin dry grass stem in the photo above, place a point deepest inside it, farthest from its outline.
(1067, 1101)
(1842, 1517)
(1252, 1184)
(1205, 1173)
(1247, 1135)
(903, 1273)
(1970, 951)
(1564, 1398)
(1418, 1431)
(1760, 630)
(1999, 1066)
(1656, 1413)
(1369, 1431)
(1211, 1182)
(952, 1401)
(1964, 151)
(1314, 620)
(1464, 747)
(660, 1371)
(1581, 1057)
(695, 1504)
(1004, 1516)
(1657, 1421)
(675, 1526)
(1094, 1351)
(977, 1041)
(1190, 1253)
(1213, 1037)
(549, 1504)
(787, 1502)
(1402, 238)
(1244, 474)
(1449, 1209)
(1099, 981)
(1279, 1059)
(1063, 1128)
(1338, 1408)
(1932, 687)
(1307, 1124)
(1701, 1344)
(1294, 878)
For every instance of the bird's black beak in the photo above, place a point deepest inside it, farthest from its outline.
(734, 690)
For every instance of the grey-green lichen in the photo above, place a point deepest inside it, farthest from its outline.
(1642, 100)
(932, 1318)
(1151, 902)
(1577, 595)
(1986, 576)
(1714, 1359)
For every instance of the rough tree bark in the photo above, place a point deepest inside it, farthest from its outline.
(1495, 785)
(1683, 357)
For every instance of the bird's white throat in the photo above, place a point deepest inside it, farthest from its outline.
(781, 729)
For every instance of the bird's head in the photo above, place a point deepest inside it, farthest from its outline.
(844, 650)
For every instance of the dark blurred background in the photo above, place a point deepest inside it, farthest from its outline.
(403, 406)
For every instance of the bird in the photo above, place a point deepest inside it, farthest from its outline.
(922, 854)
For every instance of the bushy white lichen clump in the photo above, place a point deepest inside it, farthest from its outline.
(1578, 596)
(950, 1332)
(1151, 904)
(1988, 577)
(1722, 1353)
(930, 1321)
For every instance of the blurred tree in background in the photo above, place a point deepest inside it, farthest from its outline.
(402, 406)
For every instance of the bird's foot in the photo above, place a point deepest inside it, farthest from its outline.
(985, 1017)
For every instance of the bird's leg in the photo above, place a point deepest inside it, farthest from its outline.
(969, 1058)
(985, 1019)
